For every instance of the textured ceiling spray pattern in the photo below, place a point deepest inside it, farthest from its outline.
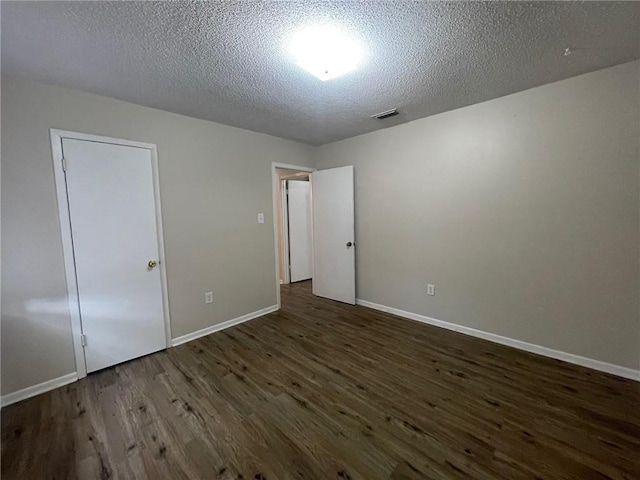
(228, 61)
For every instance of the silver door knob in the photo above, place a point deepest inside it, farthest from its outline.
(152, 264)
(349, 244)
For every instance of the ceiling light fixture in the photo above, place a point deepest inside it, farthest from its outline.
(325, 52)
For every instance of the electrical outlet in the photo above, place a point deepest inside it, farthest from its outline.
(208, 297)
(431, 289)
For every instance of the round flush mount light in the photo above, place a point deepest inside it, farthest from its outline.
(325, 51)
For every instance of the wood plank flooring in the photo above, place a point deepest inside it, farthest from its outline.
(322, 390)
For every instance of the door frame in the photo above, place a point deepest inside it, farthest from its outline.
(67, 241)
(274, 197)
(286, 275)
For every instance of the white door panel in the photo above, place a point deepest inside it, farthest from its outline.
(114, 231)
(333, 231)
(299, 207)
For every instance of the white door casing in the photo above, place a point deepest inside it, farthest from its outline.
(332, 194)
(111, 231)
(275, 180)
(299, 215)
(283, 249)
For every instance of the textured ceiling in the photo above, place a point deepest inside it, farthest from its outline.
(228, 61)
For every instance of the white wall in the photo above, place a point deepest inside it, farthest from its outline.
(214, 179)
(523, 211)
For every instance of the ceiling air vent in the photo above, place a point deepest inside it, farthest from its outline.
(385, 114)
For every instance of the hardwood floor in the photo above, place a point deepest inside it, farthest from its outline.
(322, 390)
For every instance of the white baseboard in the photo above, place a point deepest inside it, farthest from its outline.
(529, 347)
(34, 390)
(221, 326)
(72, 377)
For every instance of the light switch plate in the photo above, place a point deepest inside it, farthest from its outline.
(261, 218)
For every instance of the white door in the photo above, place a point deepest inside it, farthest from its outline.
(115, 244)
(334, 274)
(299, 206)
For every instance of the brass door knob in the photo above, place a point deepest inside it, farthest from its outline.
(152, 263)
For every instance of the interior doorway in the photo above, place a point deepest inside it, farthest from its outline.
(293, 224)
(296, 225)
(314, 230)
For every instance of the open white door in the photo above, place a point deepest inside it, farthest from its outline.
(299, 215)
(334, 269)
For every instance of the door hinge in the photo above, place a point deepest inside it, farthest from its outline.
(83, 340)
(64, 164)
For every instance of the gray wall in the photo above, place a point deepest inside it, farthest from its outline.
(214, 179)
(523, 211)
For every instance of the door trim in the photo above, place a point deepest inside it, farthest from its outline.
(67, 242)
(285, 233)
(274, 201)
